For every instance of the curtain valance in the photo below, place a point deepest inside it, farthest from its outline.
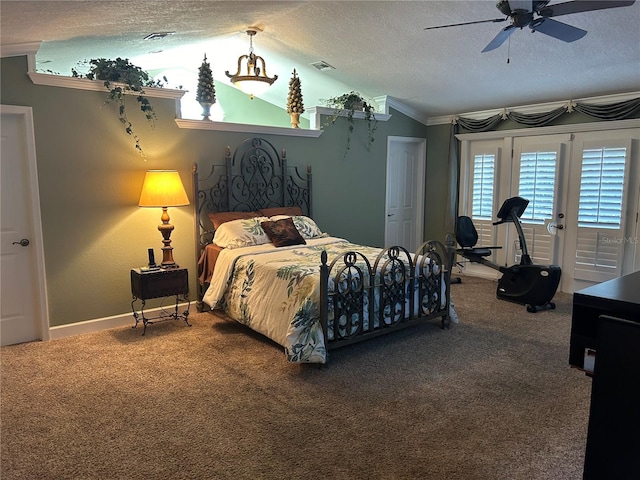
(613, 111)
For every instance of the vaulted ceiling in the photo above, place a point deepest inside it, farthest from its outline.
(377, 47)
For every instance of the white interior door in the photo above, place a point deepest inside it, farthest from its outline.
(23, 314)
(406, 158)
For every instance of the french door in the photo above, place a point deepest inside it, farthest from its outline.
(602, 208)
(583, 192)
(538, 176)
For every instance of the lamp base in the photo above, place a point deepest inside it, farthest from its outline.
(167, 259)
(167, 250)
(169, 266)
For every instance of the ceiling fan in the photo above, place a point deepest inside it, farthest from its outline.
(536, 14)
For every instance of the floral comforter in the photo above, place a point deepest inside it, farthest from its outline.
(276, 291)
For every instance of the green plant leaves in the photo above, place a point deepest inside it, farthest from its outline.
(120, 77)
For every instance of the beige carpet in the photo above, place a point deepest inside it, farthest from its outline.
(491, 398)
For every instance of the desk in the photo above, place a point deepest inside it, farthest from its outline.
(619, 297)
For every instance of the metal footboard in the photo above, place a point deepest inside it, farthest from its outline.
(360, 299)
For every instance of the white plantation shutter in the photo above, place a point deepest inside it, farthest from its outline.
(537, 184)
(482, 207)
(483, 180)
(602, 187)
(600, 213)
(486, 233)
(596, 251)
(539, 245)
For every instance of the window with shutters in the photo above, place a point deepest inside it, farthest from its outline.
(600, 212)
(481, 170)
(483, 182)
(482, 197)
(537, 184)
(601, 187)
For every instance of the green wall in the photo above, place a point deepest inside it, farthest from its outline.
(90, 178)
(438, 198)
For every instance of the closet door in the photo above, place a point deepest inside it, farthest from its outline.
(23, 312)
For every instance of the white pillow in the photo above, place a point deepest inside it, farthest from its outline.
(305, 225)
(241, 233)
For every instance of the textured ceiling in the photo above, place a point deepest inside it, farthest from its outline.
(376, 47)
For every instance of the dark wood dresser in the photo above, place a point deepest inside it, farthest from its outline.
(606, 320)
(619, 297)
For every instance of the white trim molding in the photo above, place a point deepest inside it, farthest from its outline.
(97, 85)
(22, 49)
(40, 282)
(19, 49)
(98, 324)
(244, 127)
(386, 102)
(315, 113)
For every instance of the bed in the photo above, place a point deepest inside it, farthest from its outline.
(264, 262)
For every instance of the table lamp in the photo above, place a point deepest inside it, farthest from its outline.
(163, 188)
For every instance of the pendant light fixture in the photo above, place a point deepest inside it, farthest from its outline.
(254, 80)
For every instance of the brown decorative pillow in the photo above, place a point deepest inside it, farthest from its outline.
(273, 211)
(283, 232)
(218, 218)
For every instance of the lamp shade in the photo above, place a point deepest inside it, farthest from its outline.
(251, 86)
(163, 188)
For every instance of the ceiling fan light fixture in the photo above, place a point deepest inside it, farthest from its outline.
(504, 7)
(522, 13)
(254, 79)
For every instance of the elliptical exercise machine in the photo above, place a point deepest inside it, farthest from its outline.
(523, 283)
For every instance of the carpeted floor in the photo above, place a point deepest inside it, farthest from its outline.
(492, 398)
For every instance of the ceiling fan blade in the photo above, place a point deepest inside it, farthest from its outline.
(495, 20)
(499, 39)
(578, 6)
(559, 30)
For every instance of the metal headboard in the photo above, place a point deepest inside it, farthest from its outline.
(254, 177)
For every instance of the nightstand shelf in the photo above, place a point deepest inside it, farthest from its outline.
(148, 284)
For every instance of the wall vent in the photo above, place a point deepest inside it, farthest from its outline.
(158, 35)
(322, 66)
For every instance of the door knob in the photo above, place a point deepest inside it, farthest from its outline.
(553, 227)
(23, 243)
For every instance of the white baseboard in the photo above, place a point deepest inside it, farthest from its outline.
(97, 324)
